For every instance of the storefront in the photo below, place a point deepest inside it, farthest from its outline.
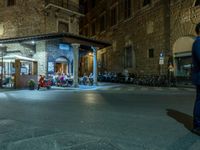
(54, 53)
(182, 54)
(17, 70)
(183, 64)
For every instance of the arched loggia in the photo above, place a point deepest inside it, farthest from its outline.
(182, 54)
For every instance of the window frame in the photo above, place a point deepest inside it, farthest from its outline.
(10, 3)
(102, 27)
(93, 28)
(93, 3)
(128, 56)
(64, 22)
(114, 20)
(146, 3)
(86, 30)
(86, 9)
(127, 9)
(151, 53)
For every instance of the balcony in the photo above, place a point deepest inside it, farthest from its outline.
(67, 5)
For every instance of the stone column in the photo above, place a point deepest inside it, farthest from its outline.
(69, 68)
(41, 57)
(94, 66)
(75, 64)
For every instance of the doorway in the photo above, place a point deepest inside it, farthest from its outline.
(61, 65)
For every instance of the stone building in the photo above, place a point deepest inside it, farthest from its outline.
(29, 18)
(184, 17)
(46, 31)
(146, 35)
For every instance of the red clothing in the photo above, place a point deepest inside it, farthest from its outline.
(41, 80)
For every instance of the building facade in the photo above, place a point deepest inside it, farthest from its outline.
(34, 17)
(184, 17)
(22, 18)
(147, 35)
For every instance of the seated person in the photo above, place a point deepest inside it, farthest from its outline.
(84, 79)
(91, 79)
(41, 81)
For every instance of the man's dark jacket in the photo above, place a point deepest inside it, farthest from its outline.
(196, 61)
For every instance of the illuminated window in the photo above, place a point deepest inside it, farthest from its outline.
(86, 64)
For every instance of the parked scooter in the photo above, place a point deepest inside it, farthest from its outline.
(44, 83)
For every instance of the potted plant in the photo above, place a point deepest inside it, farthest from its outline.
(31, 84)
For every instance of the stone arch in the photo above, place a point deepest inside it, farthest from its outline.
(183, 44)
(62, 59)
(182, 56)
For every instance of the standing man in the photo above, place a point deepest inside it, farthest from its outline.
(171, 74)
(196, 80)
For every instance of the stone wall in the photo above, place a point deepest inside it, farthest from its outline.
(41, 57)
(24, 18)
(32, 18)
(20, 49)
(55, 52)
(144, 30)
(184, 17)
(156, 26)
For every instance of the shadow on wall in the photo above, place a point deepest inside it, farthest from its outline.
(183, 118)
